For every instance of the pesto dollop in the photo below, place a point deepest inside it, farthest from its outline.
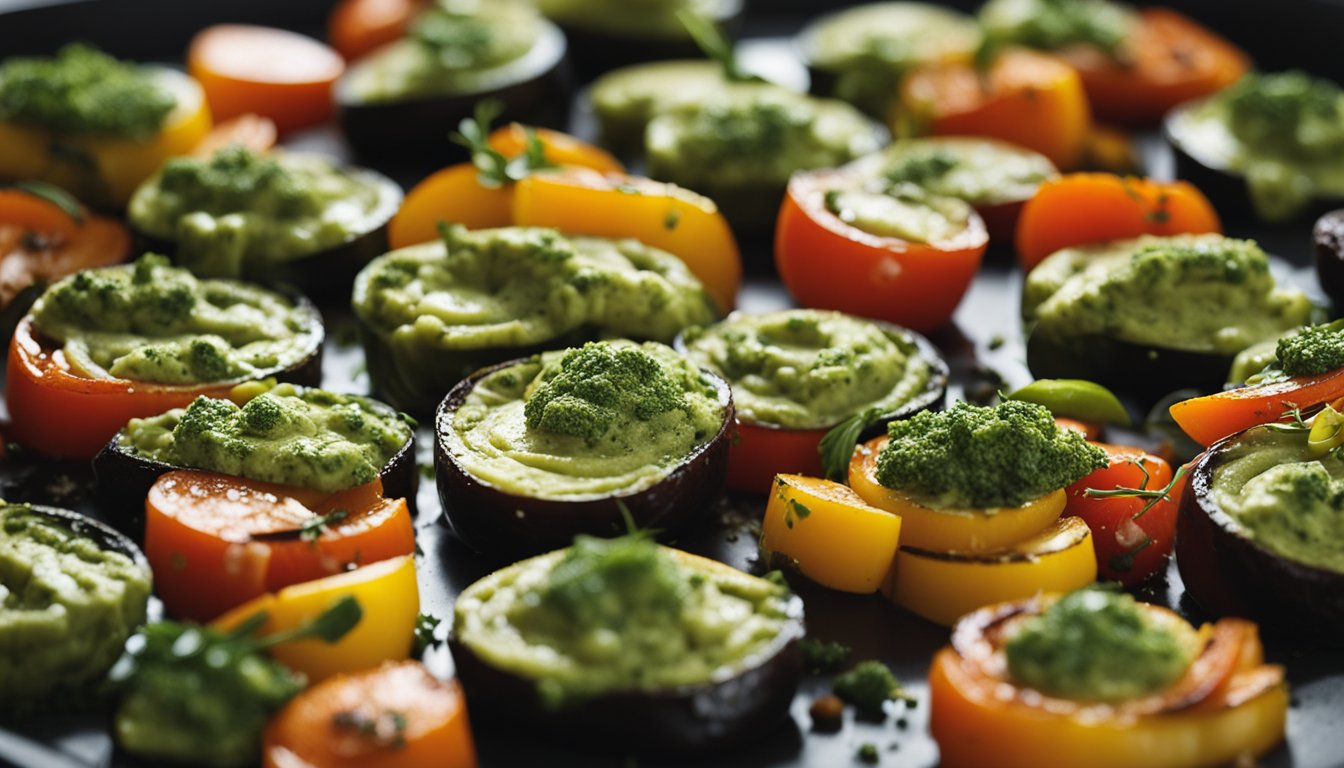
(1193, 292)
(1313, 350)
(1096, 644)
(282, 434)
(620, 614)
(970, 457)
(504, 289)
(810, 369)
(903, 211)
(152, 322)
(866, 49)
(753, 139)
(983, 172)
(1285, 496)
(626, 99)
(453, 46)
(67, 607)
(605, 418)
(1283, 131)
(84, 92)
(232, 213)
(1054, 24)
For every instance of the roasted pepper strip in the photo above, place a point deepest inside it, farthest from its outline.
(944, 586)
(1210, 418)
(832, 536)
(1214, 715)
(386, 590)
(950, 530)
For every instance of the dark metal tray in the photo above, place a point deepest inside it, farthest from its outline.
(159, 29)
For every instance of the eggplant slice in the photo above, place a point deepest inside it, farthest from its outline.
(325, 275)
(498, 522)
(123, 479)
(1144, 372)
(693, 718)
(593, 52)
(1227, 572)
(533, 90)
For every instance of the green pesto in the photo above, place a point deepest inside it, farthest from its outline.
(626, 99)
(619, 614)
(1283, 131)
(1202, 293)
(152, 322)
(66, 608)
(901, 210)
(609, 417)
(1095, 644)
(970, 457)
(1054, 24)
(285, 434)
(1313, 350)
(239, 208)
(810, 369)
(84, 92)
(983, 172)
(867, 49)
(645, 19)
(868, 686)
(516, 287)
(1283, 496)
(454, 46)
(754, 139)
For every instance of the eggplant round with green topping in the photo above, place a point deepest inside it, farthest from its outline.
(681, 654)
(1268, 146)
(607, 34)
(1149, 316)
(431, 314)
(75, 590)
(403, 100)
(281, 434)
(529, 453)
(1254, 535)
(278, 219)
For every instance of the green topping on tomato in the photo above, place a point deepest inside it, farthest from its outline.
(1096, 644)
(152, 322)
(84, 92)
(984, 458)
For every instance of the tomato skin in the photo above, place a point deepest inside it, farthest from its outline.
(61, 415)
(358, 26)
(1122, 554)
(762, 451)
(828, 264)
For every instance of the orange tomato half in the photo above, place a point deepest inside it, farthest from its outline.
(217, 541)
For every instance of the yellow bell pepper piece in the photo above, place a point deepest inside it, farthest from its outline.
(387, 592)
(944, 586)
(105, 171)
(950, 530)
(833, 536)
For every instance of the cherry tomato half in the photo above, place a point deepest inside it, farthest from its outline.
(1132, 543)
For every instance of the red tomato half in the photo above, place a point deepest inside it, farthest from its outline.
(829, 264)
(1130, 546)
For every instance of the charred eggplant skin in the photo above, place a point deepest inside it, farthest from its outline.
(1328, 238)
(1144, 372)
(496, 522)
(696, 718)
(107, 537)
(594, 52)
(325, 275)
(122, 481)
(1227, 572)
(417, 129)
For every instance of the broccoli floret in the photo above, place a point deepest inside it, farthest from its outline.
(1095, 644)
(601, 583)
(594, 386)
(262, 415)
(868, 753)
(208, 363)
(1312, 350)
(83, 91)
(969, 456)
(868, 686)
(821, 656)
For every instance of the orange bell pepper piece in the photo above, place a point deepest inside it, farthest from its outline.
(832, 536)
(1210, 418)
